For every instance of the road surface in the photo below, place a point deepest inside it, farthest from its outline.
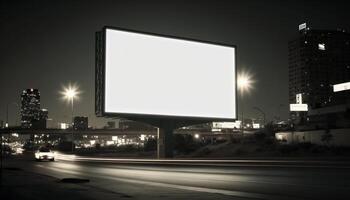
(235, 179)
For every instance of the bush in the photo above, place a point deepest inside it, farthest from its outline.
(260, 136)
(287, 149)
(184, 144)
(150, 144)
(205, 151)
(317, 149)
(306, 146)
(239, 151)
(129, 148)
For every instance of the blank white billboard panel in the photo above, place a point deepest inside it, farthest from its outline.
(155, 75)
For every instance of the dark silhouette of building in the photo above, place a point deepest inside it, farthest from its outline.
(30, 107)
(319, 59)
(40, 123)
(133, 125)
(81, 123)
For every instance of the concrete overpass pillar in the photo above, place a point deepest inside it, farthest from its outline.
(165, 140)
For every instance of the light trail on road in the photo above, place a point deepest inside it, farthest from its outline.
(211, 162)
(189, 180)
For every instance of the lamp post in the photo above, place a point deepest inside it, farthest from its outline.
(262, 112)
(1, 139)
(69, 94)
(244, 84)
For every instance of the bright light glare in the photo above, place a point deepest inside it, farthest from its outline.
(70, 92)
(244, 82)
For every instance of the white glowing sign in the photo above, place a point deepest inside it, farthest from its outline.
(299, 98)
(341, 87)
(302, 26)
(322, 47)
(298, 107)
(154, 75)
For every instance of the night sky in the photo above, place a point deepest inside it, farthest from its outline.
(46, 45)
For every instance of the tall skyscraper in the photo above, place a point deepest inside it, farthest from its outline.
(318, 60)
(30, 107)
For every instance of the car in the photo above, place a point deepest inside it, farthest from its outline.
(44, 153)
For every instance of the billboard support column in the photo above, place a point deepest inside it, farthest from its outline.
(165, 140)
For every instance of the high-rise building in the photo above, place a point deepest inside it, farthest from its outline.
(319, 59)
(81, 123)
(30, 107)
(40, 123)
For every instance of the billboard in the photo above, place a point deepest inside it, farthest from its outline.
(341, 87)
(142, 74)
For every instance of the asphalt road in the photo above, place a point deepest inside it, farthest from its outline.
(234, 179)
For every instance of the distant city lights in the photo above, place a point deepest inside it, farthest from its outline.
(64, 125)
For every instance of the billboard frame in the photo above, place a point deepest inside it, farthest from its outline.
(100, 78)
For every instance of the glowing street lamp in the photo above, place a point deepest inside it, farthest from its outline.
(69, 94)
(244, 82)
(245, 85)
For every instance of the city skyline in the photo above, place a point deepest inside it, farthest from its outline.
(47, 45)
(175, 99)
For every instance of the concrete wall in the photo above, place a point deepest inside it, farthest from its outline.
(341, 137)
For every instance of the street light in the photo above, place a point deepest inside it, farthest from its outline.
(69, 94)
(245, 85)
(262, 112)
(244, 82)
(1, 135)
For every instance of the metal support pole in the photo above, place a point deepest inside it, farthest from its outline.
(1, 159)
(7, 115)
(165, 139)
(262, 112)
(242, 123)
(72, 124)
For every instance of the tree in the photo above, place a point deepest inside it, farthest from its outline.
(150, 144)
